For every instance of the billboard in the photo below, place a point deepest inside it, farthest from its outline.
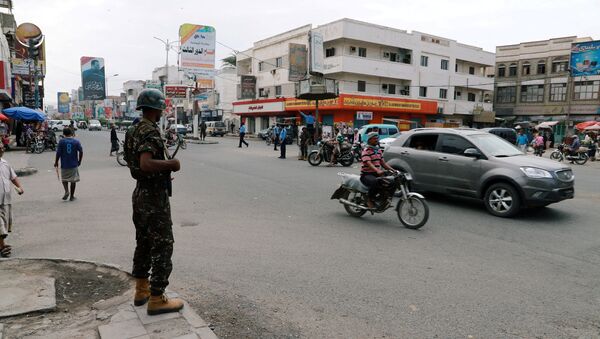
(248, 86)
(585, 58)
(176, 91)
(316, 53)
(297, 59)
(63, 102)
(197, 50)
(93, 78)
(29, 96)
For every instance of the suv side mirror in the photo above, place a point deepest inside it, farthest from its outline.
(473, 153)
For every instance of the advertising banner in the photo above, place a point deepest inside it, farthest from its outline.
(198, 50)
(298, 62)
(29, 96)
(585, 58)
(153, 84)
(175, 91)
(316, 53)
(363, 115)
(93, 78)
(22, 64)
(63, 102)
(248, 84)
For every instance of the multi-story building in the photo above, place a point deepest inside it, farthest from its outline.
(132, 89)
(391, 74)
(533, 84)
(226, 80)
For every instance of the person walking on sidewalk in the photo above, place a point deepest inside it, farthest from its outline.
(202, 130)
(114, 140)
(70, 154)
(146, 158)
(7, 176)
(282, 136)
(303, 144)
(242, 135)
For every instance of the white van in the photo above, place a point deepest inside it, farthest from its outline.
(216, 128)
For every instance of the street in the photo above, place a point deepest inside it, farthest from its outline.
(261, 251)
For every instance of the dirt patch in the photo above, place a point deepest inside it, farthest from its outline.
(78, 286)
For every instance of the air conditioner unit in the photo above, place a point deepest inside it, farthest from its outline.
(386, 54)
(352, 49)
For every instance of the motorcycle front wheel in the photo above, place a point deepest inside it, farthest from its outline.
(121, 159)
(314, 158)
(347, 161)
(38, 148)
(413, 212)
(357, 199)
(581, 159)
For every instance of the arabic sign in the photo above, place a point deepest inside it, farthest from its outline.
(262, 107)
(153, 84)
(297, 60)
(93, 78)
(316, 53)
(198, 50)
(248, 85)
(359, 103)
(63, 102)
(175, 91)
(361, 115)
(585, 58)
(29, 96)
(292, 104)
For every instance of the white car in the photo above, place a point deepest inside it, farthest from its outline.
(94, 125)
(384, 143)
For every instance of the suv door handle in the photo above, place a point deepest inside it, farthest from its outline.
(443, 159)
(404, 153)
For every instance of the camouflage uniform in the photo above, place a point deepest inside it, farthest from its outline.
(151, 208)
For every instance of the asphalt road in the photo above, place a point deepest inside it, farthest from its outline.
(262, 252)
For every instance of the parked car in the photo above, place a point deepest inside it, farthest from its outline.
(385, 131)
(82, 125)
(62, 124)
(94, 125)
(480, 165)
(216, 128)
(181, 129)
(189, 128)
(508, 134)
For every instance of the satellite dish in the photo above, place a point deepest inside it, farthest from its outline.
(28, 31)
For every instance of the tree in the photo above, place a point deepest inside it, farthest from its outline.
(230, 60)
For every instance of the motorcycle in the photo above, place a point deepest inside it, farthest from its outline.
(325, 151)
(538, 150)
(412, 209)
(37, 144)
(176, 139)
(50, 140)
(121, 154)
(562, 152)
(357, 152)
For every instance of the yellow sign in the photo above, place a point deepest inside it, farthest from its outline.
(378, 103)
(297, 103)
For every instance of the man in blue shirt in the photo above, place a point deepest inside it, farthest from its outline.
(282, 136)
(242, 135)
(522, 141)
(310, 125)
(276, 132)
(70, 154)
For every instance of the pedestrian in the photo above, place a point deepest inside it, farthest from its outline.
(303, 144)
(145, 154)
(282, 137)
(70, 154)
(232, 127)
(310, 125)
(7, 176)
(202, 130)
(114, 140)
(72, 126)
(276, 132)
(522, 141)
(242, 135)
(356, 137)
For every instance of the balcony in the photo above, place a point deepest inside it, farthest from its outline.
(466, 107)
(472, 81)
(372, 67)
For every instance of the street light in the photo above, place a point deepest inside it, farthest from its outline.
(168, 46)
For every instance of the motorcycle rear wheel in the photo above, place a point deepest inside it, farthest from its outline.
(581, 159)
(347, 162)
(413, 212)
(357, 199)
(121, 159)
(555, 155)
(314, 158)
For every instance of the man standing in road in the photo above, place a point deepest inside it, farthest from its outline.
(114, 140)
(202, 130)
(282, 137)
(310, 125)
(522, 141)
(146, 158)
(276, 132)
(242, 135)
(7, 175)
(70, 154)
(303, 144)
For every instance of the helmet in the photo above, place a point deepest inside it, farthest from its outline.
(372, 134)
(151, 98)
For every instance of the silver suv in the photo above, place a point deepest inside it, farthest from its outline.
(480, 165)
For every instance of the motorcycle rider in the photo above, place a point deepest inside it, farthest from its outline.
(575, 144)
(337, 147)
(372, 162)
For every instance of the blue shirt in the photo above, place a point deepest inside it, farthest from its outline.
(310, 120)
(522, 139)
(243, 129)
(283, 134)
(68, 150)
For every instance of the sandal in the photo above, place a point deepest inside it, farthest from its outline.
(5, 251)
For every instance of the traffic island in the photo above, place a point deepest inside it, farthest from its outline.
(75, 299)
(194, 140)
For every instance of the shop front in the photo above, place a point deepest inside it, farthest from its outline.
(260, 114)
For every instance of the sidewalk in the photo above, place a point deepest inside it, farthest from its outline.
(19, 160)
(45, 298)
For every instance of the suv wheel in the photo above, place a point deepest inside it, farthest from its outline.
(502, 200)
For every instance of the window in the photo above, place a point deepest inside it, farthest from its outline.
(260, 66)
(277, 90)
(471, 70)
(541, 67)
(278, 62)
(558, 92)
(532, 93)
(261, 92)
(394, 57)
(383, 131)
(444, 64)
(586, 90)
(453, 144)
(391, 89)
(506, 94)
(423, 91)
(424, 60)
(512, 70)
(443, 93)
(425, 142)
(471, 96)
(457, 94)
(456, 68)
(330, 52)
(526, 69)
(560, 66)
(393, 130)
(362, 52)
(362, 86)
(501, 71)
(405, 90)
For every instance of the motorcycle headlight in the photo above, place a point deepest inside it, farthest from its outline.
(318, 143)
(536, 173)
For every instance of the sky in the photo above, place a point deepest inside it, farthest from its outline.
(122, 31)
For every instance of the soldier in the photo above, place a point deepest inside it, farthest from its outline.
(145, 156)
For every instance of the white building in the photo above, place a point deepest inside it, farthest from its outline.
(412, 76)
(132, 89)
(226, 81)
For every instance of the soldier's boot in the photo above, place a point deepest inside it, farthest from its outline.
(161, 304)
(142, 291)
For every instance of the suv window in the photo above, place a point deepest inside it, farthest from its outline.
(426, 142)
(383, 131)
(393, 131)
(454, 144)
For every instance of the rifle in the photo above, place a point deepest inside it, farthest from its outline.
(169, 157)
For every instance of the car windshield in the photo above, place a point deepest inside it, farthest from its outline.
(94, 122)
(495, 146)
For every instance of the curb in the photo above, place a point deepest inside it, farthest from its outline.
(25, 171)
(197, 142)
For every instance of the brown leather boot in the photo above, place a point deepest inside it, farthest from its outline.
(161, 304)
(142, 291)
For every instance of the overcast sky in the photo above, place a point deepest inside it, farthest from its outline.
(122, 31)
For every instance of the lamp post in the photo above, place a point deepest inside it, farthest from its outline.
(168, 44)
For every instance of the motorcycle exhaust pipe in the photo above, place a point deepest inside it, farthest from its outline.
(347, 202)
